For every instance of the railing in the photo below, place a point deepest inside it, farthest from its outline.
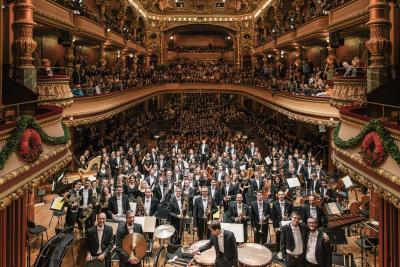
(11, 112)
(48, 72)
(351, 72)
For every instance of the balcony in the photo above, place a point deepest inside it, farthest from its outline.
(54, 90)
(19, 173)
(87, 27)
(349, 14)
(315, 28)
(349, 90)
(286, 39)
(53, 14)
(316, 110)
(353, 142)
(116, 38)
(269, 45)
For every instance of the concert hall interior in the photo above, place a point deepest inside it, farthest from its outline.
(200, 133)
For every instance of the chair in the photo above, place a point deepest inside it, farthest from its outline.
(36, 231)
(59, 214)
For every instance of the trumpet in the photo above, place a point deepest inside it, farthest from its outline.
(71, 199)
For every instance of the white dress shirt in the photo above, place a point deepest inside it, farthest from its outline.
(311, 247)
(100, 232)
(282, 204)
(147, 204)
(179, 203)
(85, 195)
(313, 212)
(119, 205)
(298, 241)
(221, 241)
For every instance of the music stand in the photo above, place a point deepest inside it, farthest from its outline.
(337, 236)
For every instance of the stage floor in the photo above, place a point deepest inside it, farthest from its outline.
(43, 215)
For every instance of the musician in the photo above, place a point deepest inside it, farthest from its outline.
(163, 163)
(326, 193)
(203, 151)
(318, 248)
(175, 207)
(118, 204)
(215, 192)
(240, 213)
(86, 202)
(292, 241)
(229, 191)
(224, 242)
(72, 208)
(260, 214)
(281, 209)
(116, 163)
(250, 150)
(308, 171)
(257, 183)
(314, 184)
(151, 179)
(160, 190)
(99, 240)
(129, 227)
(220, 174)
(203, 209)
(319, 172)
(313, 211)
(150, 203)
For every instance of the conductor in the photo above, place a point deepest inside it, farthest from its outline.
(224, 243)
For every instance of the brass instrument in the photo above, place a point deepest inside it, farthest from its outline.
(71, 199)
(140, 210)
(243, 214)
(185, 214)
(96, 198)
(105, 204)
(86, 213)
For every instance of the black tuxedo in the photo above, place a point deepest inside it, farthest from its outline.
(164, 164)
(277, 212)
(250, 151)
(230, 255)
(308, 172)
(206, 150)
(153, 205)
(113, 206)
(323, 250)
(174, 211)
(198, 216)
(158, 194)
(321, 217)
(151, 184)
(287, 240)
(121, 233)
(115, 164)
(217, 197)
(328, 193)
(92, 240)
(314, 186)
(219, 176)
(233, 211)
(72, 212)
(260, 238)
(254, 186)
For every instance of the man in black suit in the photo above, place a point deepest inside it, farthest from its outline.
(226, 255)
(129, 227)
(326, 193)
(150, 203)
(260, 213)
(86, 203)
(292, 241)
(203, 151)
(175, 207)
(229, 191)
(202, 212)
(257, 183)
(281, 209)
(163, 163)
(250, 150)
(116, 164)
(240, 213)
(314, 184)
(99, 240)
(118, 204)
(220, 174)
(72, 207)
(215, 192)
(319, 250)
(313, 211)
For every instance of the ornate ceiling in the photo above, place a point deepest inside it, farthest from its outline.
(174, 7)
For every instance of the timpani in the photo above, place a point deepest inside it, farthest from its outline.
(207, 257)
(254, 255)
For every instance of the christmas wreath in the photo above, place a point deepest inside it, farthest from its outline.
(372, 150)
(30, 146)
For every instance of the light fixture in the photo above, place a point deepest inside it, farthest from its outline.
(229, 37)
(108, 29)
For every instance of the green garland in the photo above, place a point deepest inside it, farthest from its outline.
(24, 122)
(373, 125)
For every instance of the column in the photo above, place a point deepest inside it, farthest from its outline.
(389, 234)
(134, 63)
(24, 43)
(237, 52)
(147, 61)
(69, 59)
(102, 55)
(163, 50)
(394, 17)
(378, 43)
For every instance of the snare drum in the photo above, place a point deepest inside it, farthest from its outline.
(207, 257)
(254, 255)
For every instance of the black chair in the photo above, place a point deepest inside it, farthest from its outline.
(59, 214)
(37, 231)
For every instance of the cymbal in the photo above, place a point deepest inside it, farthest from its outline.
(254, 255)
(135, 244)
(164, 231)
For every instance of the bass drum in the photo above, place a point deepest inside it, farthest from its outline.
(75, 254)
(160, 259)
(53, 251)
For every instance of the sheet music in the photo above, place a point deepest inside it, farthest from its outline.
(293, 182)
(57, 204)
(236, 228)
(347, 182)
(268, 160)
(242, 167)
(148, 223)
(333, 208)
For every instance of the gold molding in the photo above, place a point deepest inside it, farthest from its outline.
(33, 182)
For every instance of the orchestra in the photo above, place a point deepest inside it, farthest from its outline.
(202, 182)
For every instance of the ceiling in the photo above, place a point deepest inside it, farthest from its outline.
(175, 7)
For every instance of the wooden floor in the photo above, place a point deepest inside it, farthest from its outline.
(43, 215)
